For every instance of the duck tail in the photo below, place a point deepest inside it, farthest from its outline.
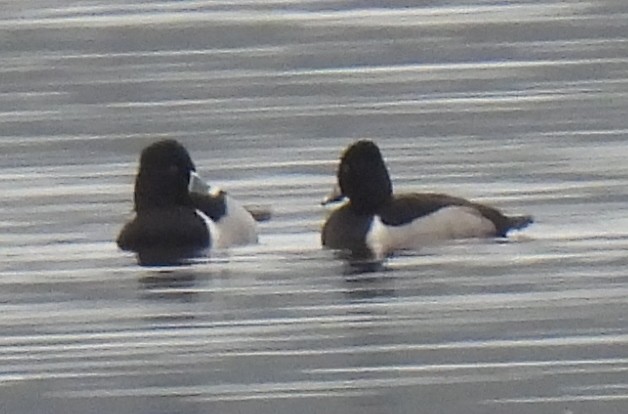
(519, 222)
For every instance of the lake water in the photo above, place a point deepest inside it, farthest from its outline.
(519, 104)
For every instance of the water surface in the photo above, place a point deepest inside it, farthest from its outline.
(521, 105)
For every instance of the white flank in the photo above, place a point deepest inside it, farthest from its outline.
(236, 227)
(456, 222)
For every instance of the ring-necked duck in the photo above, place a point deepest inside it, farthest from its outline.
(177, 214)
(375, 222)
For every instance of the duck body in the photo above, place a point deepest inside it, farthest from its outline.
(230, 223)
(165, 235)
(374, 222)
(177, 216)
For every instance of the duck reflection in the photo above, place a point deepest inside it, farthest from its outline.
(165, 257)
(369, 286)
(356, 265)
(178, 285)
(365, 279)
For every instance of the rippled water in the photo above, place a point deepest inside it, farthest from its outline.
(518, 104)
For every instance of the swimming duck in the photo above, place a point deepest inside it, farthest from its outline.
(375, 222)
(177, 215)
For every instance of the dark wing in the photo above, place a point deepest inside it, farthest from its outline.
(404, 208)
(213, 206)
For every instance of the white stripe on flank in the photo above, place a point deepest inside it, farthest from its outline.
(456, 222)
(210, 226)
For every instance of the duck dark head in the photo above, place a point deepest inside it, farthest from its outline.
(363, 177)
(164, 176)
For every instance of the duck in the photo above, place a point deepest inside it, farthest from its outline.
(177, 214)
(374, 222)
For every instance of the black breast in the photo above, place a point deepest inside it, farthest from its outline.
(346, 230)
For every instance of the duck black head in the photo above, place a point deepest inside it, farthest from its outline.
(363, 177)
(164, 176)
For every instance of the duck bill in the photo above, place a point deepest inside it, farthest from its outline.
(333, 197)
(197, 184)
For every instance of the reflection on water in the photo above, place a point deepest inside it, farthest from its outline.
(520, 105)
(173, 285)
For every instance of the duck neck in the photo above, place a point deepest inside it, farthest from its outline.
(369, 203)
(159, 191)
